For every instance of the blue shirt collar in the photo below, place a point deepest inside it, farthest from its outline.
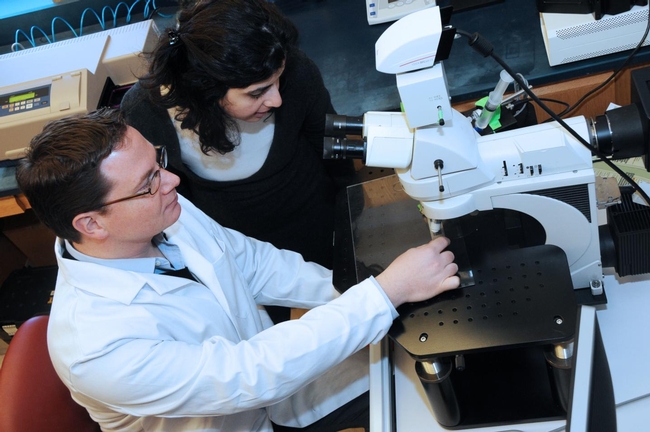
(172, 259)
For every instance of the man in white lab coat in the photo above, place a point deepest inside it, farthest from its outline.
(157, 322)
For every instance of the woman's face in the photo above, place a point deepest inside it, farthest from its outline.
(254, 102)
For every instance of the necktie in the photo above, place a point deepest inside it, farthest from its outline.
(184, 272)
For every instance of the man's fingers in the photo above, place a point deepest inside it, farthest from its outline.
(450, 283)
(451, 268)
(439, 244)
(447, 257)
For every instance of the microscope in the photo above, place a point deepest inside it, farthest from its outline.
(523, 210)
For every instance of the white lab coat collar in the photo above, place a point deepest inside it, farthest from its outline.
(141, 265)
(124, 286)
(118, 285)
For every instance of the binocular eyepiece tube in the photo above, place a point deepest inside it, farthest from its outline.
(336, 144)
(340, 126)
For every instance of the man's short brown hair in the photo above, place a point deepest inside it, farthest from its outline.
(60, 174)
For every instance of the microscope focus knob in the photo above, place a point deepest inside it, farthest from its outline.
(438, 164)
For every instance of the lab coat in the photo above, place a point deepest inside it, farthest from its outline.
(160, 353)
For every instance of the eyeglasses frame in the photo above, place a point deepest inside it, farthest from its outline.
(161, 155)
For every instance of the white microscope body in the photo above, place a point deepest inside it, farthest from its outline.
(444, 163)
(515, 203)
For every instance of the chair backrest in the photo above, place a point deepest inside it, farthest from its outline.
(32, 397)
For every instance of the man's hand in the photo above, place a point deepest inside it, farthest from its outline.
(420, 273)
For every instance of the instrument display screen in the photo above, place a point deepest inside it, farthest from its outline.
(25, 100)
(21, 97)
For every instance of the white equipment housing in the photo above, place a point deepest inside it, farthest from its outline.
(572, 37)
(48, 82)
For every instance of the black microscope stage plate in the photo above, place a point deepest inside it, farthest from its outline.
(521, 297)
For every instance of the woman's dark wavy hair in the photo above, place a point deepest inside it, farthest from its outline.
(221, 44)
(60, 173)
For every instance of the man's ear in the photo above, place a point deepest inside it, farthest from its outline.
(90, 225)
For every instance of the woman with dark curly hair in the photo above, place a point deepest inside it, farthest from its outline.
(241, 111)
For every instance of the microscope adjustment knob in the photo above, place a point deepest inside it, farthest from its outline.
(438, 164)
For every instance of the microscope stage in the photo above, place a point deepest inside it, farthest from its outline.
(521, 297)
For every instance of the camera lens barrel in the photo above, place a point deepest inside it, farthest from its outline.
(620, 133)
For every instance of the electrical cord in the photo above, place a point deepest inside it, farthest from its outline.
(485, 48)
(554, 101)
(101, 20)
(612, 76)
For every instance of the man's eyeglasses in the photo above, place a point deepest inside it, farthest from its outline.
(154, 183)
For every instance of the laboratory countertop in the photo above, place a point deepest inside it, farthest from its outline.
(336, 35)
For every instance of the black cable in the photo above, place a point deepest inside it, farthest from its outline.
(528, 99)
(555, 101)
(485, 48)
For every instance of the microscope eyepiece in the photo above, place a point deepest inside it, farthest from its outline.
(336, 144)
(340, 125)
(343, 148)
